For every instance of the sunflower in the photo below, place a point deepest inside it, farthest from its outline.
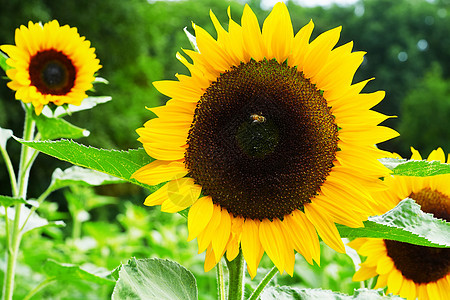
(410, 270)
(267, 141)
(50, 64)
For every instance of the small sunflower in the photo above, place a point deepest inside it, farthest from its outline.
(267, 141)
(410, 271)
(50, 64)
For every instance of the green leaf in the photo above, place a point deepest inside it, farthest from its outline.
(154, 279)
(53, 128)
(121, 164)
(80, 176)
(404, 223)
(7, 201)
(86, 104)
(73, 272)
(3, 64)
(287, 293)
(5, 135)
(420, 168)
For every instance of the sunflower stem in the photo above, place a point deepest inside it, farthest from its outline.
(9, 166)
(263, 283)
(236, 277)
(220, 281)
(22, 185)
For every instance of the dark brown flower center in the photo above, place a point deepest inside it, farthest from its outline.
(52, 72)
(263, 140)
(434, 202)
(418, 263)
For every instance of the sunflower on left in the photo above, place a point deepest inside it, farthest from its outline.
(51, 64)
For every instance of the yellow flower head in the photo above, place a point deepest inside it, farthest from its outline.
(267, 141)
(50, 64)
(410, 271)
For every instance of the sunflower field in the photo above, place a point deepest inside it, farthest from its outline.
(201, 149)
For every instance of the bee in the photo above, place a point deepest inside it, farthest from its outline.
(257, 118)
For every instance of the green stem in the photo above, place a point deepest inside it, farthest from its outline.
(8, 237)
(236, 277)
(263, 284)
(220, 281)
(12, 175)
(76, 227)
(22, 185)
(39, 201)
(39, 287)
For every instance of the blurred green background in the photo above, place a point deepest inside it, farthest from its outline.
(407, 44)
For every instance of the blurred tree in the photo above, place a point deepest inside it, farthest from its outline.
(425, 113)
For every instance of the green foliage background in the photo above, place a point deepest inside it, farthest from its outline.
(136, 42)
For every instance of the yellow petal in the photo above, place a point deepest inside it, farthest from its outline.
(319, 51)
(408, 289)
(251, 34)
(277, 33)
(181, 193)
(220, 239)
(423, 292)
(199, 216)
(251, 245)
(357, 243)
(340, 213)
(205, 237)
(368, 135)
(438, 155)
(364, 273)
(209, 47)
(381, 281)
(433, 292)
(300, 46)
(158, 197)
(395, 281)
(325, 227)
(156, 151)
(160, 171)
(443, 286)
(210, 262)
(385, 265)
(235, 238)
(174, 89)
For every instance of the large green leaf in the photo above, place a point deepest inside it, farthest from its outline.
(121, 164)
(73, 272)
(415, 167)
(154, 279)
(405, 223)
(288, 293)
(53, 128)
(86, 104)
(80, 176)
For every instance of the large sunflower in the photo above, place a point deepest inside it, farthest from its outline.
(50, 64)
(409, 270)
(267, 141)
